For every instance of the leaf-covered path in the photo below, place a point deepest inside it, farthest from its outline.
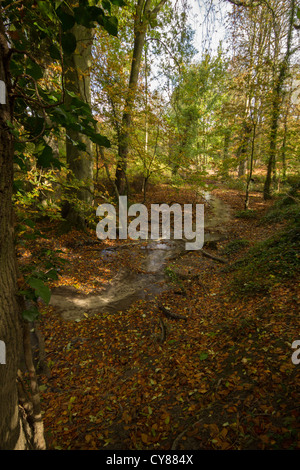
(219, 378)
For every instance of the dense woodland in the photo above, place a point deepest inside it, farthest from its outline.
(140, 344)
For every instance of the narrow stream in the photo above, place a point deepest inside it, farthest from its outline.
(128, 286)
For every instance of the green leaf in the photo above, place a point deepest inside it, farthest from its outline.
(34, 70)
(16, 67)
(67, 21)
(46, 9)
(46, 157)
(119, 3)
(40, 288)
(34, 124)
(106, 5)
(54, 52)
(31, 314)
(83, 16)
(203, 356)
(100, 140)
(52, 274)
(69, 43)
(110, 24)
(29, 223)
(58, 3)
(19, 161)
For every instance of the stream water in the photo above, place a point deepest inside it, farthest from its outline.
(128, 286)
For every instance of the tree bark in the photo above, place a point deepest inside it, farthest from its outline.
(77, 80)
(15, 431)
(143, 16)
(276, 104)
(11, 430)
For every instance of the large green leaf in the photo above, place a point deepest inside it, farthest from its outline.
(67, 21)
(34, 70)
(110, 24)
(69, 43)
(41, 290)
(83, 16)
(54, 52)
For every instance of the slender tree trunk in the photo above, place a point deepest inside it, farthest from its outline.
(242, 150)
(251, 167)
(283, 148)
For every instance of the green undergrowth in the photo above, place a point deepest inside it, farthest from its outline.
(273, 260)
(286, 208)
(235, 246)
(246, 214)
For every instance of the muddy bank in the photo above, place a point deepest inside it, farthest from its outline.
(128, 286)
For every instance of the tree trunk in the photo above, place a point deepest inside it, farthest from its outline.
(15, 431)
(143, 15)
(276, 105)
(123, 146)
(247, 198)
(243, 148)
(77, 80)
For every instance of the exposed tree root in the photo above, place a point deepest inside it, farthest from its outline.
(214, 257)
(169, 314)
(163, 330)
(180, 436)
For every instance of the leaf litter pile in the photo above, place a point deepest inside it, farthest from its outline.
(194, 367)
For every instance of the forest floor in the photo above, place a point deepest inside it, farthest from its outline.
(221, 377)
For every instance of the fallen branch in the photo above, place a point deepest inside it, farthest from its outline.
(169, 314)
(215, 258)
